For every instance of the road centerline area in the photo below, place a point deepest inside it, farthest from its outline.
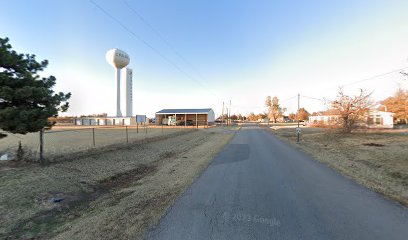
(259, 187)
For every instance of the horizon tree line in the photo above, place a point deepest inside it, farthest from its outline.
(349, 108)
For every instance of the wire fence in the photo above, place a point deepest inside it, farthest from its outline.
(65, 140)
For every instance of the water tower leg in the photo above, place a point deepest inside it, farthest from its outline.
(118, 112)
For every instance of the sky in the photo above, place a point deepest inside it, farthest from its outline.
(201, 53)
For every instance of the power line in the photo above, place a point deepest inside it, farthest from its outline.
(165, 41)
(280, 101)
(287, 99)
(373, 77)
(319, 99)
(160, 36)
(362, 80)
(149, 45)
(240, 106)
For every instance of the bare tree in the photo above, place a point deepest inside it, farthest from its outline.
(274, 109)
(268, 104)
(351, 108)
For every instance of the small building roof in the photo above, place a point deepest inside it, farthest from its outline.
(185, 111)
(381, 112)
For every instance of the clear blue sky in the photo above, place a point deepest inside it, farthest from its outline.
(239, 50)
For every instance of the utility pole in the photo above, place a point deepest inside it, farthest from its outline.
(222, 115)
(298, 126)
(229, 114)
(226, 115)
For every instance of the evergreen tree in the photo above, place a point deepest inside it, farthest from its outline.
(26, 99)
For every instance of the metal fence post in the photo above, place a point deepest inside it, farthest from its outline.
(127, 135)
(93, 137)
(41, 145)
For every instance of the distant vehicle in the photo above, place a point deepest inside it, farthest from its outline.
(153, 120)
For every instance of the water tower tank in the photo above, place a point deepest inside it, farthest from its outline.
(117, 58)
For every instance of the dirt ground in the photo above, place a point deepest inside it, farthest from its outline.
(375, 159)
(109, 194)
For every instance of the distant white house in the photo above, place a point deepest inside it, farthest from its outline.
(324, 119)
(374, 119)
(380, 119)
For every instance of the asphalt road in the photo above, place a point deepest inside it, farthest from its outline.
(261, 188)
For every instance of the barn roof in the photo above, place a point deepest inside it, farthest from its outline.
(185, 111)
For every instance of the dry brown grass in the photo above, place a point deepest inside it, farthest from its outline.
(67, 140)
(378, 160)
(107, 195)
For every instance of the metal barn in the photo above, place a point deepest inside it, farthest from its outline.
(185, 117)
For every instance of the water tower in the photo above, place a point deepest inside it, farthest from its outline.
(118, 59)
